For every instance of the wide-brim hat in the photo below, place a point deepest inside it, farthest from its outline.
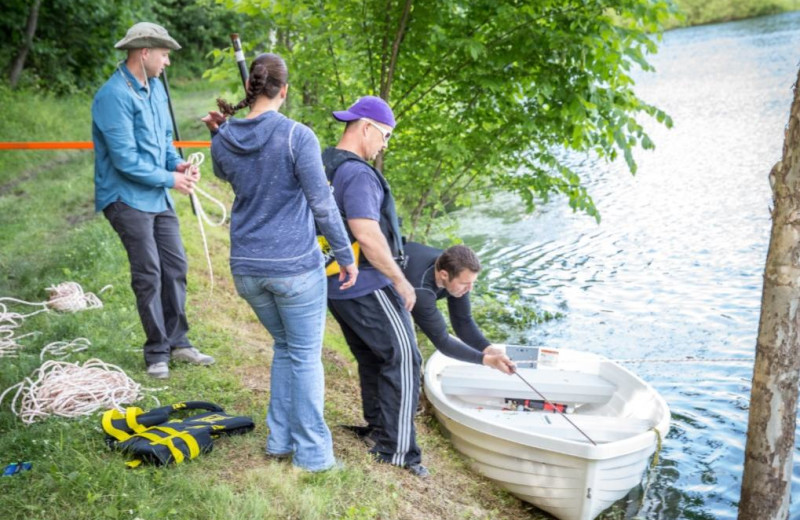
(370, 107)
(146, 35)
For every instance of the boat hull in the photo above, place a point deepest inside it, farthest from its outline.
(572, 480)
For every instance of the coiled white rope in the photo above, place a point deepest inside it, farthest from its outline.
(69, 297)
(64, 297)
(9, 321)
(70, 390)
(196, 159)
(63, 349)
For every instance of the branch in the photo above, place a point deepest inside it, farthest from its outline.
(333, 59)
(385, 41)
(27, 44)
(369, 47)
(386, 88)
(430, 67)
(417, 211)
(451, 188)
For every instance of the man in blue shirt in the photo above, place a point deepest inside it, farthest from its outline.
(135, 167)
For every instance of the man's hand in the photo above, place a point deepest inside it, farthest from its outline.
(189, 169)
(500, 362)
(349, 273)
(494, 349)
(407, 293)
(213, 120)
(376, 249)
(184, 183)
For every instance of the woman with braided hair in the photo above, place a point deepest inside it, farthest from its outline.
(275, 168)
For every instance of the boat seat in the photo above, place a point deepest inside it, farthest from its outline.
(600, 429)
(558, 386)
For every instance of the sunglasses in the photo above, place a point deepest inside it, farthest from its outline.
(386, 135)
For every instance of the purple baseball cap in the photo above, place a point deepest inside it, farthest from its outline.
(368, 106)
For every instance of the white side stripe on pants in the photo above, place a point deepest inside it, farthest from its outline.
(405, 415)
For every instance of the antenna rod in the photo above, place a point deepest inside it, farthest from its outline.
(554, 407)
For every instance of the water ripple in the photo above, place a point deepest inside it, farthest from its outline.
(675, 268)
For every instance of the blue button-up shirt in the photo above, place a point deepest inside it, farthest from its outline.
(133, 152)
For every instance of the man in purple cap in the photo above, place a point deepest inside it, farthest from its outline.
(374, 313)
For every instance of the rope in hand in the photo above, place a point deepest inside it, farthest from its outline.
(70, 390)
(196, 159)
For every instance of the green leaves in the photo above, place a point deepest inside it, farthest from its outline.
(486, 96)
(73, 46)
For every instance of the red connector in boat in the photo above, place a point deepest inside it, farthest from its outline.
(531, 405)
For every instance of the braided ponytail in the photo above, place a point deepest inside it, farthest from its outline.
(268, 74)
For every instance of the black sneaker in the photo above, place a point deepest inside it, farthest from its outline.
(365, 434)
(418, 470)
(279, 457)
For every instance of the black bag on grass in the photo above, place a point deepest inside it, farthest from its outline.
(155, 438)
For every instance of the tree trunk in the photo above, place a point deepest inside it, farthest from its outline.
(27, 44)
(766, 483)
(388, 69)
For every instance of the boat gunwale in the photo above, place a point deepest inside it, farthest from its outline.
(582, 449)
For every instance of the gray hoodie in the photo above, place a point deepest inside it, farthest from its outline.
(275, 169)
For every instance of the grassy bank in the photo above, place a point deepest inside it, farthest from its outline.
(51, 234)
(699, 12)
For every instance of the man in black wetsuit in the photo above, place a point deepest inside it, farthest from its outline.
(436, 274)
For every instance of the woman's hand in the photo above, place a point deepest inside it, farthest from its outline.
(348, 274)
(213, 120)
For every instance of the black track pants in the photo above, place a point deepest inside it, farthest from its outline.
(380, 335)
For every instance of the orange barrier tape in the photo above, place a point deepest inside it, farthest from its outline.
(82, 145)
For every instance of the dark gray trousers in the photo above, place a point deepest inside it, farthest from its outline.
(379, 333)
(158, 275)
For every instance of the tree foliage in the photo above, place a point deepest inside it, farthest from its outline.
(488, 95)
(73, 47)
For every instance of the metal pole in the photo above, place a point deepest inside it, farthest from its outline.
(240, 60)
(176, 135)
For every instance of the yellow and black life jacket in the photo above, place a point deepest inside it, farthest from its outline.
(155, 438)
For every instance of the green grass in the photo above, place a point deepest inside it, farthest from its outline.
(51, 234)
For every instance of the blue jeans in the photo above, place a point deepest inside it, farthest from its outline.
(293, 311)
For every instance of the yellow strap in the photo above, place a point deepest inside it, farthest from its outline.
(191, 442)
(131, 413)
(135, 463)
(167, 441)
(108, 425)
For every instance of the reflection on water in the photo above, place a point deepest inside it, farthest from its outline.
(675, 267)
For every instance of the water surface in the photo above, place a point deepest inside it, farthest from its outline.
(675, 267)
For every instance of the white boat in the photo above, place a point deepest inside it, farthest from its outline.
(545, 457)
